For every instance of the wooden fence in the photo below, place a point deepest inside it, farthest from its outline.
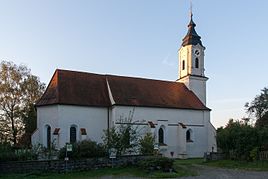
(263, 155)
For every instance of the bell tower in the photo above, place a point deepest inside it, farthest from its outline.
(191, 62)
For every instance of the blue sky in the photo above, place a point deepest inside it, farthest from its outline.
(141, 38)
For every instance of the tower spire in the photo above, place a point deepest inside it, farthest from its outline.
(191, 38)
(191, 9)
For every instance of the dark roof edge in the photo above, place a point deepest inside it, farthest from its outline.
(205, 109)
(36, 104)
(73, 105)
(151, 106)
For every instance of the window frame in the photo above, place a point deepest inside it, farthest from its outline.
(73, 139)
(161, 135)
(189, 135)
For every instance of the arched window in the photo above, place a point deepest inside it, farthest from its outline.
(48, 136)
(196, 63)
(189, 135)
(183, 65)
(161, 136)
(127, 136)
(72, 134)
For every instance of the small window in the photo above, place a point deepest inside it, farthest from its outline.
(196, 63)
(48, 136)
(72, 134)
(161, 136)
(189, 136)
(183, 65)
(83, 131)
(56, 131)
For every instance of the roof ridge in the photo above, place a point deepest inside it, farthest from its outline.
(141, 78)
(73, 71)
(121, 76)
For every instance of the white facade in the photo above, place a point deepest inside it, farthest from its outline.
(93, 119)
(174, 122)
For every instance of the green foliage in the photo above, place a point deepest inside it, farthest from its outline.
(254, 153)
(157, 163)
(147, 144)
(9, 153)
(123, 137)
(241, 141)
(237, 140)
(19, 89)
(259, 108)
(84, 149)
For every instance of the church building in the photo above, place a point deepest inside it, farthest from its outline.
(80, 105)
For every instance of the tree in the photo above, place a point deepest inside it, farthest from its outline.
(147, 144)
(123, 137)
(238, 139)
(259, 107)
(19, 89)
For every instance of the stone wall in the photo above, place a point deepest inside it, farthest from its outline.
(60, 166)
(213, 156)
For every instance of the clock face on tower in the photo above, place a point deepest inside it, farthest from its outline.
(197, 52)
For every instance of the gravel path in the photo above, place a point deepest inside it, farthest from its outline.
(206, 172)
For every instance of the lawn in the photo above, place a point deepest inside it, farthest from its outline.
(255, 165)
(182, 168)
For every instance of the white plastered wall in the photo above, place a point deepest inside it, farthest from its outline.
(174, 137)
(93, 119)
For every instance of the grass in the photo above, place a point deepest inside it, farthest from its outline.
(181, 167)
(232, 164)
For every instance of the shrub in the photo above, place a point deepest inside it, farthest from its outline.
(147, 144)
(84, 149)
(9, 153)
(157, 163)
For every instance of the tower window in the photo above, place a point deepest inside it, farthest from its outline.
(196, 63)
(183, 65)
(72, 134)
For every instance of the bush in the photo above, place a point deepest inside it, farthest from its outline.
(84, 149)
(157, 163)
(147, 144)
(9, 153)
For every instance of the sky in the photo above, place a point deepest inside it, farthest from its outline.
(141, 38)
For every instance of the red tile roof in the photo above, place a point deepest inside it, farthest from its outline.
(87, 89)
(76, 88)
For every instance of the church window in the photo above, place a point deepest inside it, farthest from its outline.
(189, 135)
(183, 65)
(72, 134)
(126, 137)
(196, 63)
(48, 136)
(161, 136)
